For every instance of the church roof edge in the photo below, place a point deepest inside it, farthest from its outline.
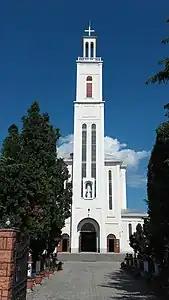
(133, 213)
(106, 162)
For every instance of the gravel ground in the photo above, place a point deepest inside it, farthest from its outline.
(90, 281)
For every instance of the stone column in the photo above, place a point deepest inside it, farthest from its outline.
(7, 252)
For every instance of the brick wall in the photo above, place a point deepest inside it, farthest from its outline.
(7, 252)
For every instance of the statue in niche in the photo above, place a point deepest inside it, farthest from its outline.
(88, 189)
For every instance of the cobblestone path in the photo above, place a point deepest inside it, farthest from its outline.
(90, 281)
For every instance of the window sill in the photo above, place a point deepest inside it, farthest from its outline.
(109, 216)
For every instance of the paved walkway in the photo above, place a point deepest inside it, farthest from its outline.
(90, 281)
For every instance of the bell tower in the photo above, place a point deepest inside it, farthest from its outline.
(89, 71)
(88, 158)
(89, 44)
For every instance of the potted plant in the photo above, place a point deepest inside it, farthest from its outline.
(46, 273)
(38, 278)
(30, 283)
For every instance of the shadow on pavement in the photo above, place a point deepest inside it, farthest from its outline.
(126, 287)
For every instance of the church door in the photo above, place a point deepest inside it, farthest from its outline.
(88, 240)
(117, 246)
(65, 243)
(111, 243)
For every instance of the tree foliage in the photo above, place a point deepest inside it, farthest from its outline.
(35, 191)
(158, 177)
(156, 226)
(163, 75)
(158, 191)
(139, 240)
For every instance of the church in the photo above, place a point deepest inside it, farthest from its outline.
(100, 221)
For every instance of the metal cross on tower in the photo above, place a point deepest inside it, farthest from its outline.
(89, 30)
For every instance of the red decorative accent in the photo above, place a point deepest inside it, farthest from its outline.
(59, 245)
(117, 246)
(89, 90)
(30, 284)
(38, 278)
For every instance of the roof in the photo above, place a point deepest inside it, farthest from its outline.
(125, 213)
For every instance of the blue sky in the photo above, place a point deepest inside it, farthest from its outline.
(39, 43)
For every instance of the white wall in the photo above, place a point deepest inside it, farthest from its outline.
(110, 221)
(83, 70)
(123, 199)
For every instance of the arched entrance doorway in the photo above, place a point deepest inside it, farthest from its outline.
(111, 243)
(65, 242)
(89, 235)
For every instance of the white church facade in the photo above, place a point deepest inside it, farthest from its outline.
(100, 221)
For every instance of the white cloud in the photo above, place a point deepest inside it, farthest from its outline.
(113, 149)
(136, 180)
(65, 146)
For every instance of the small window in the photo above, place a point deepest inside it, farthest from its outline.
(87, 49)
(89, 78)
(92, 49)
(89, 87)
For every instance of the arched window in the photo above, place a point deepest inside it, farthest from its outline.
(92, 49)
(93, 154)
(130, 230)
(89, 87)
(84, 154)
(110, 190)
(84, 126)
(87, 49)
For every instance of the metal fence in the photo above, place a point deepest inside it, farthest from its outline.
(20, 267)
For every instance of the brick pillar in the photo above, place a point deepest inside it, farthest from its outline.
(7, 252)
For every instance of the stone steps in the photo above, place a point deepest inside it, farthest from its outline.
(91, 257)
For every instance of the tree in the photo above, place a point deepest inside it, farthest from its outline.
(13, 189)
(33, 179)
(158, 192)
(12, 144)
(162, 76)
(157, 179)
(137, 240)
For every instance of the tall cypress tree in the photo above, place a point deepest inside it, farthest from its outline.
(158, 191)
(163, 75)
(13, 189)
(158, 176)
(43, 192)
